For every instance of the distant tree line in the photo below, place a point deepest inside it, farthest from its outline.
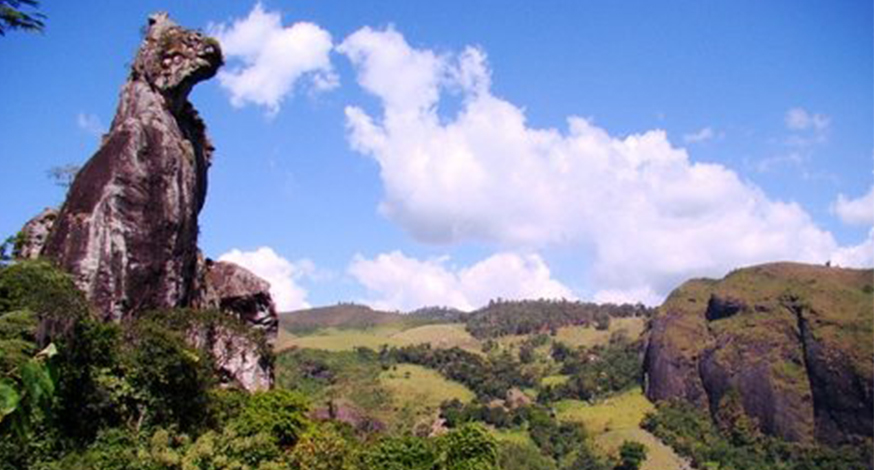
(523, 317)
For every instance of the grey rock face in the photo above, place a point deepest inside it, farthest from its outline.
(128, 229)
(237, 292)
(35, 233)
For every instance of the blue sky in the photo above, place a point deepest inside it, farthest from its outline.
(413, 153)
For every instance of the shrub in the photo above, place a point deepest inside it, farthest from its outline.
(279, 413)
(400, 453)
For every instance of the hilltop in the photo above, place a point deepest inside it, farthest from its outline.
(789, 344)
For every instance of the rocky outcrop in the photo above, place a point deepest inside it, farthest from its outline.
(235, 289)
(793, 340)
(128, 229)
(243, 295)
(35, 233)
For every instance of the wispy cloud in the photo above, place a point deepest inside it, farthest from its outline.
(702, 135)
(799, 119)
(91, 124)
(807, 129)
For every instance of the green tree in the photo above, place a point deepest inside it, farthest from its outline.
(470, 447)
(631, 455)
(323, 448)
(13, 16)
(279, 413)
(400, 453)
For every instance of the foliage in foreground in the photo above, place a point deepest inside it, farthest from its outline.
(736, 445)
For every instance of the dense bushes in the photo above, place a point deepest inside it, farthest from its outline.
(691, 433)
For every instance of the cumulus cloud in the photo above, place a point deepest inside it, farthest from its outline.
(283, 275)
(91, 124)
(649, 215)
(858, 211)
(400, 282)
(700, 136)
(272, 58)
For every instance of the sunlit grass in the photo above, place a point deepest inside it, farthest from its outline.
(419, 390)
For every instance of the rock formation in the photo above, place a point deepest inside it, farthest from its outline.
(128, 229)
(35, 233)
(236, 291)
(793, 340)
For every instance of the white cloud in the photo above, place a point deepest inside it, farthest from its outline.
(799, 119)
(700, 136)
(91, 124)
(859, 256)
(792, 159)
(274, 58)
(283, 275)
(405, 283)
(858, 211)
(649, 215)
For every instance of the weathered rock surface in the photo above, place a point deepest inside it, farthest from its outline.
(128, 229)
(35, 233)
(237, 292)
(794, 340)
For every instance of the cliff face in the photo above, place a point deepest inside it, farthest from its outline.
(128, 229)
(795, 342)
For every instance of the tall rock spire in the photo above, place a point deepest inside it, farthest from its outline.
(128, 229)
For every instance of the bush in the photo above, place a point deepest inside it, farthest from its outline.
(169, 379)
(49, 293)
(469, 447)
(323, 448)
(279, 413)
(400, 453)
(631, 455)
(514, 456)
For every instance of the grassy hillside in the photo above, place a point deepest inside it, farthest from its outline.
(417, 392)
(617, 419)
